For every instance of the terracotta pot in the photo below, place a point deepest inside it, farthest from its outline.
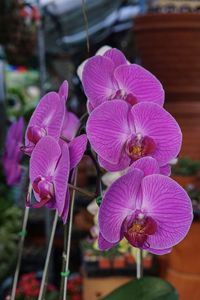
(182, 266)
(104, 263)
(184, 181)
(130, 260)
(169, 46)
(118, 262)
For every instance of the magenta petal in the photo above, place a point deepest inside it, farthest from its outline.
(44, 158)
(66, 207)
(103, 244)
(89, 106)
(169, 205)
(61, 177)
(147, 165)
(116, 56)
(63, 91)
(158, 252)
(49, 114)
(139, 82)
(155, 122)
(77, 148)
(70, 125)
(108, 129)
(165, 170)
(98, 80)
(123, 163)
(119, 201)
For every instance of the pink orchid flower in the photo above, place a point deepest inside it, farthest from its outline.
(121, 135)
(51, 118)
(148, 209)
(110, 76)
(50, 165)
(12, 155)
(46, 120)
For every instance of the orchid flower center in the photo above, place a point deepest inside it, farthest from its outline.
(44, 188)
(139, 146)
(35, 133)
(121, 94)
(139, 228)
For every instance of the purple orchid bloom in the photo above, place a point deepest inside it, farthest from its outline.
(71, 122)
(111, 76)
(12, 155)
(150, 210)
(121, 135)
(50, 165)
(47, 120)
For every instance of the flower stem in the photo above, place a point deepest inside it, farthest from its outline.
(139, 264)
(66, 269)
(86, 25)
(44, 275)
(82, 191)
(21, 246)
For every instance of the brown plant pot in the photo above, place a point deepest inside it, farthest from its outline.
(182, 266)
(169, 46)
(104, 263)
(118, 262)
(184, 181)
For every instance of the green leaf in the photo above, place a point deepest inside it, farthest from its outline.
(147, 288)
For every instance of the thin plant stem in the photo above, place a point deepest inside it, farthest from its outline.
(66, 269)
(86, 25)
(82, 191)
(21, 246)
(139, 264)
(63, 260)
(45, 272)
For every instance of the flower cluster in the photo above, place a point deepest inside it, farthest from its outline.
(12, 154)
(29, 287)
(132, 133)
(52, 159)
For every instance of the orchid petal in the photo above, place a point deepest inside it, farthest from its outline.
(60, 178)
(70, 126)
(116, 56)
(77, 148)
(119, 201)
(49, 114)
(66, 207)
(44, 158)
(165, 170)
(158, 251)
(123, 163)
(147, 165)
(98, 80)
(63, 91)
(139, 82)
(103, 244)
(169, 205)
(155, 122)
(107, 129)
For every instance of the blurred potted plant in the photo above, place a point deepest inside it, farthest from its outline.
(10, 223)
(186, 172)
(29, 287)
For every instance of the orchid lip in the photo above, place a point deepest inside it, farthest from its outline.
(35, 133)
(44, 187)
(122, 94)
(138, 146)
(139, 228)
